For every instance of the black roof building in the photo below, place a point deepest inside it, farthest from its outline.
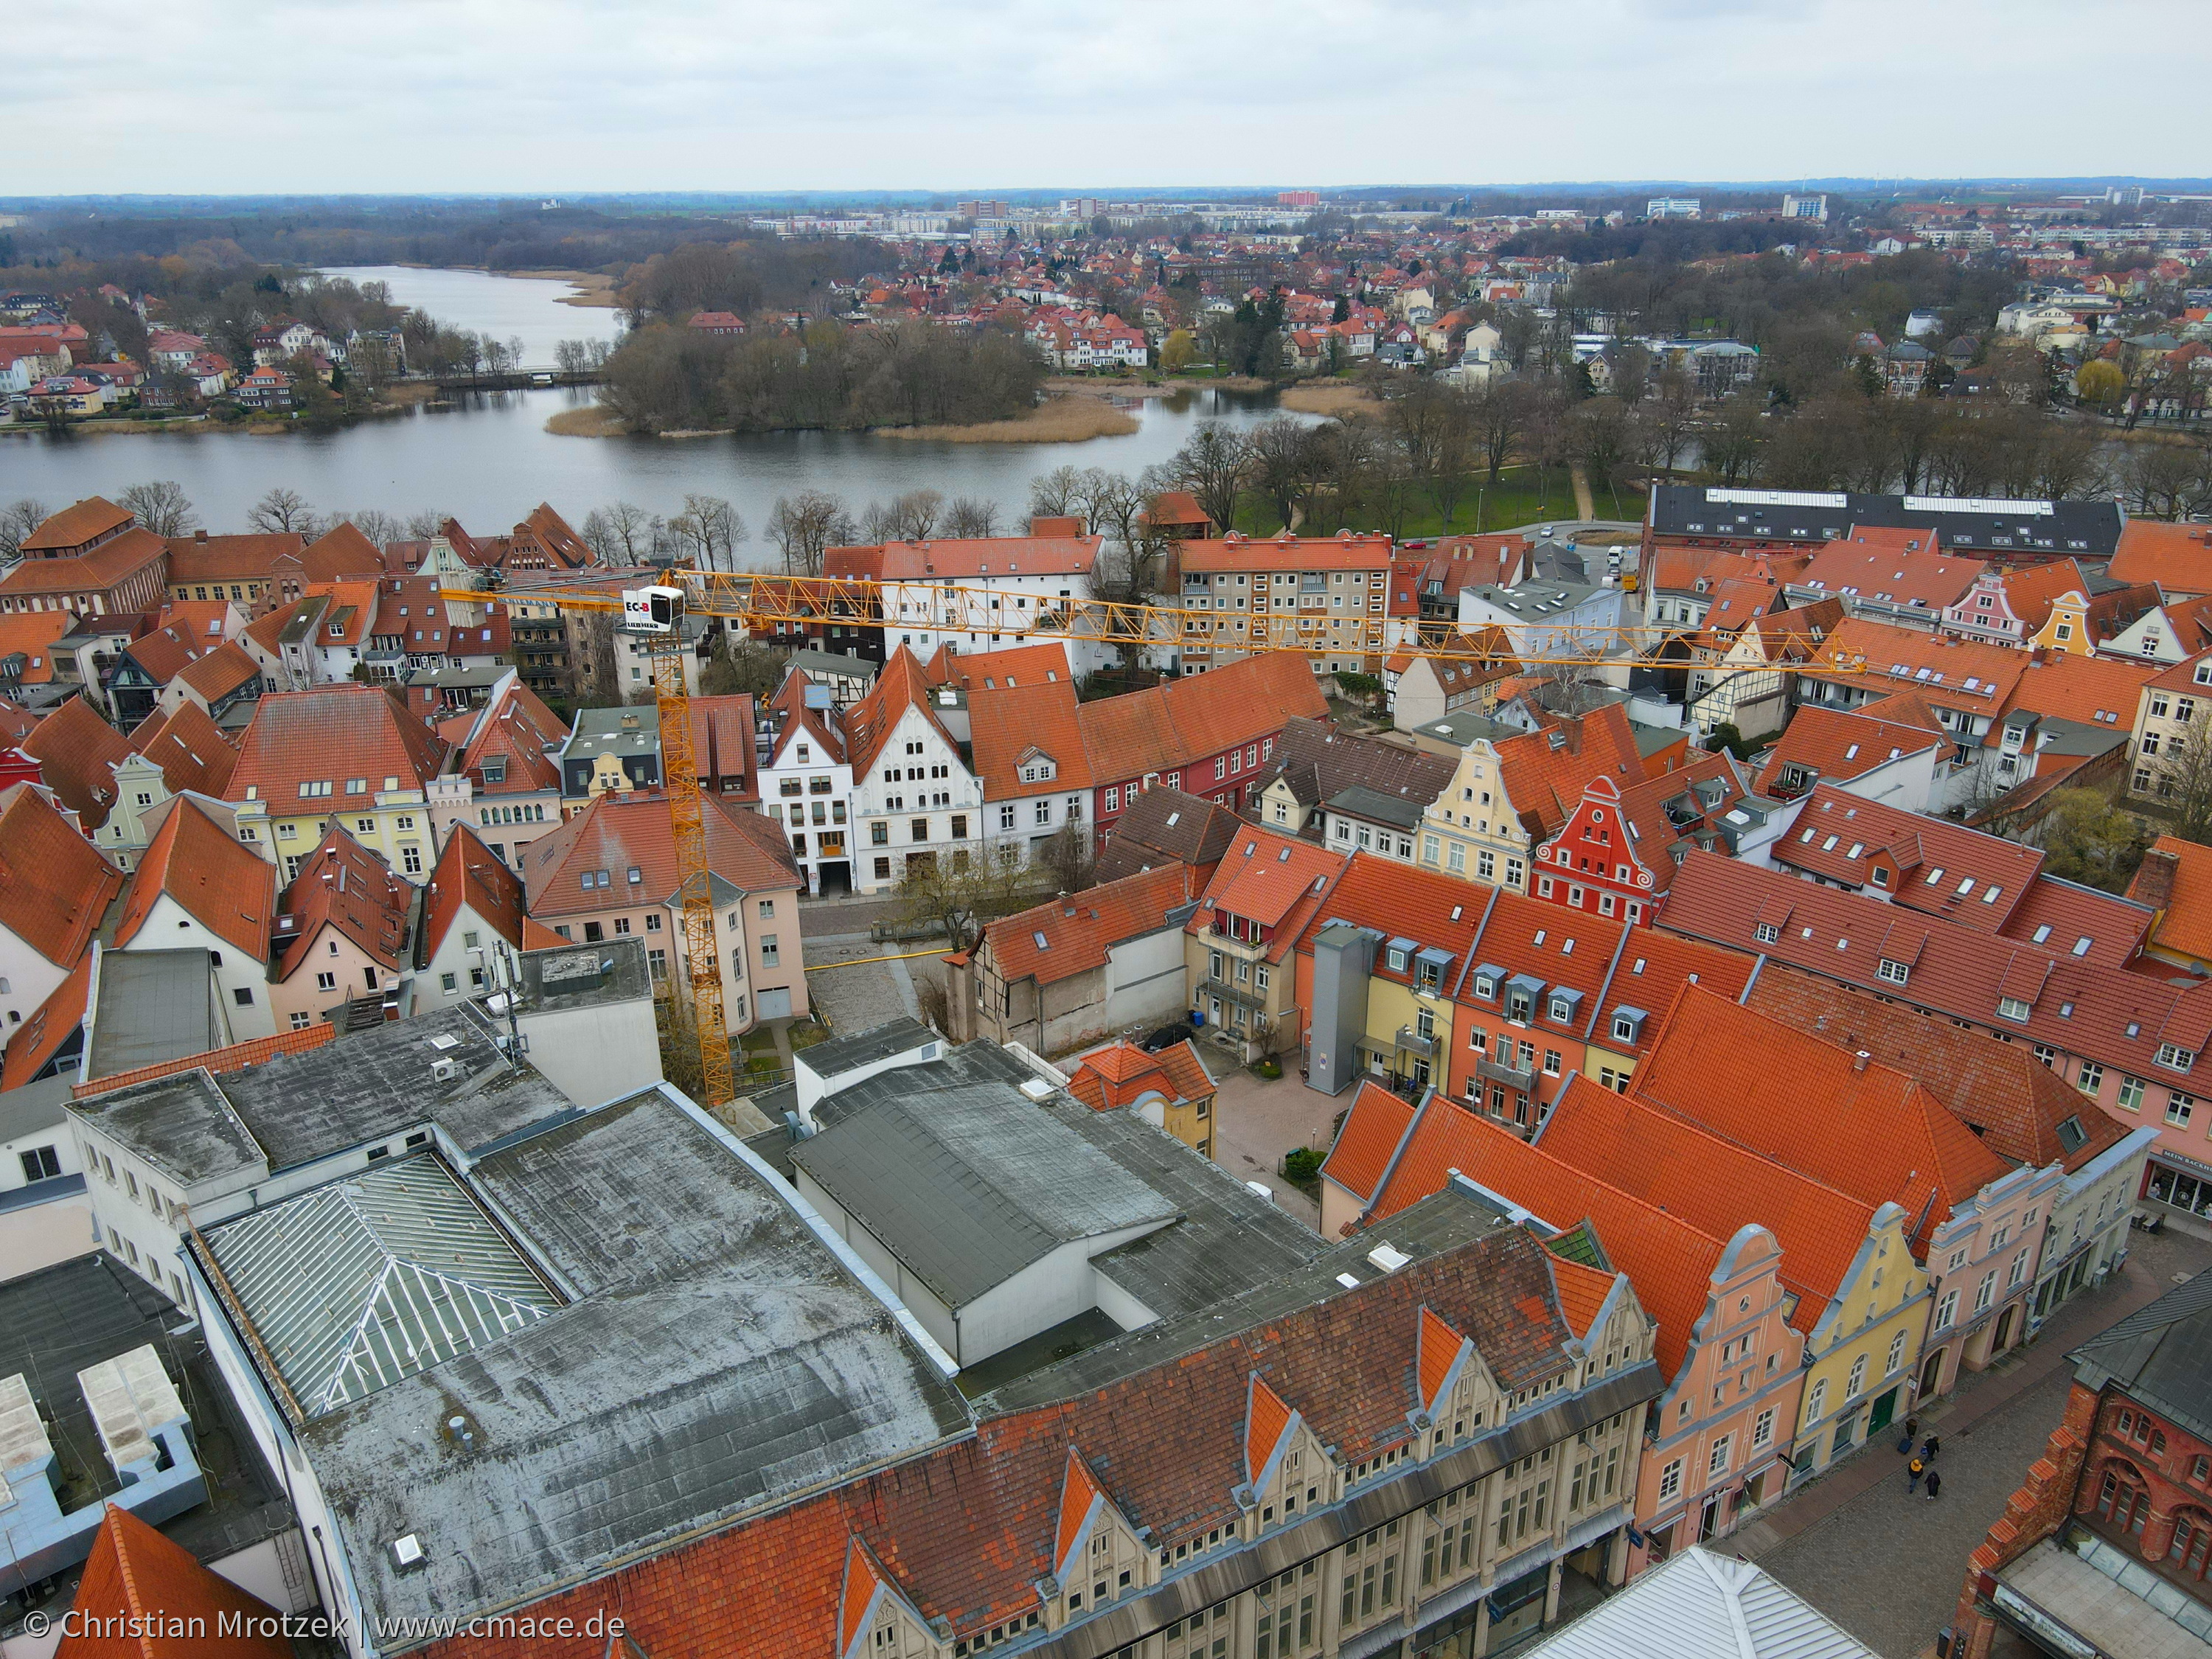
(2013, 532)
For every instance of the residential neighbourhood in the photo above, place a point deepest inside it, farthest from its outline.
(1477, 1012)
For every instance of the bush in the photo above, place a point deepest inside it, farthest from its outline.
(1302, 1168)
(1268, 1069)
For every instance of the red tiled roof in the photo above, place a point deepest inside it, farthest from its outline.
(32, 633)
(961, 558)
(1928, 864)
(76, 751)
(1437, 1346)
(139, 1588)
(1273, 880)
(1545, 773)
(468, 875)
(340, 552)
(2185, 896)
(75, 525)
(190, 749)
(515, 727)
(102, 568)
(870, 722)
(2093, 690)
(1869, 1130)
(222, 884)
(1951, 672)
(1266, 1418)
(1121, 1075)
(1077, 931)
(54, 885)
(1652, 967)
(1016, 666)
(619, 833)
(230, 558)
(349, 887)
(1668, 1259)
(1887, 565)
(1013, 726)
(220, 671)
(39, 1038)
(1373, 1128)
(2177, 558)
(1583, 1291)
(1999, 1090)
(1167, 727)
(1235, 551)
(1837, 745)
(331, 734)
(1078, 1491)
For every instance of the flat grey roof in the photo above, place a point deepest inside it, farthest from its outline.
(831, 662)
(715, 1355)
(846, 1053)
(363, 1087)
(153, 1005)
(964, 1177)
(1465, 726)
(601, 731)
(584, 975)
(1439, 1222)
(64, 1319)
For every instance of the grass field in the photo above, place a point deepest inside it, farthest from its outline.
(1516, 502)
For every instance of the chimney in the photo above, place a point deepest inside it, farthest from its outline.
(199, 535)
(1859, 1061)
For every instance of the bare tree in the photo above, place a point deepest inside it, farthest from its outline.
(1069, 857)
(374, 522)
(17, 520)
(619, 534)
(804, 526)
(915, 514)
(1285, 455)
(281, 510)
(421, 527)
(161, 506)
(1215, 465)
(969, 517)
(1498, 414)
(1062, 492)
(707, 532)
(960, 892)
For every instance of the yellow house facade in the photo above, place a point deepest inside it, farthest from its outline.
(393, 821)
(2067, 627)
(1863, 1355)
(1472, 830)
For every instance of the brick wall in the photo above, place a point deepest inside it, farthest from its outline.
(2032, 1514)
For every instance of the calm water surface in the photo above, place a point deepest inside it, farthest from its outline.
(489, 459)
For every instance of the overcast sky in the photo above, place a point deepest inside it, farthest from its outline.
(549, 95)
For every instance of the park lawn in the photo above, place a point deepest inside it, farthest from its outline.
(1515, 501)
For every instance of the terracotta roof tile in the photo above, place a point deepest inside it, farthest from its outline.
(138, 1587)
(870, 722)
(226, 886)
(1374, 1128)
(1371, 552)
(40, 1037)
(1668, 1259)
(331, 734)
(54, 886)
(1121, 1075)
(1437, 1347)
(103, 568)
(468, 875)
(1017, 727)
(75, 525)
(1870, 1131)
(1836, 745)
(1927, 865)
(1272, 880)
(2177, 558)
(190, 749)
(1583, 1291)
(340, 552)
(1999, 1090)
(1064, 937)
(76, 751)
(347, 886)
(230, 558)
(617, 834)
(1545, 773)
(33, 634)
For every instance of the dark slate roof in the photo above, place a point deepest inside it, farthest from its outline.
(2085, 529)
(1361, 802)
(2159, 1356)
(1318, 762)
(717, 1355)
(1166, 826)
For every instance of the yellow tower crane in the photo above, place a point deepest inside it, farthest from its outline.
(656, 615)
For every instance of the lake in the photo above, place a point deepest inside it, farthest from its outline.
(489, 461)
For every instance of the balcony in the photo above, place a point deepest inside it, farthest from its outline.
(1505, 1071)
(1411, 1041)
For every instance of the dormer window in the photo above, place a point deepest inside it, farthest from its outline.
(2175, 1058)
(2012, 1008)
(1895, 972)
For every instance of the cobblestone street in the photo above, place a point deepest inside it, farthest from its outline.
(1887, 1566)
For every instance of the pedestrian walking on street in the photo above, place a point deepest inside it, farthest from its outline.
(1911, 1428)
(1930, 1447)
(1934, 1484)
(1914, 1471)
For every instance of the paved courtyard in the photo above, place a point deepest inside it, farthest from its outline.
(1886, 1566)
(852, 999)
(1257, 1122)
